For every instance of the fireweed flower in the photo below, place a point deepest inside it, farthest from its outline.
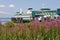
(47, 25)
(58, 21)
(0, 23)
(23, 26)
(55, 24)
(35, 26)
(32, 24)
(45, 22)
(46, 28)
(37, 22)
(14, 29)
(3, 30)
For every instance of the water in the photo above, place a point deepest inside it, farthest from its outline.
(4, 20)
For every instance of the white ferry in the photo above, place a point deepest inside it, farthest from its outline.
(33, 14)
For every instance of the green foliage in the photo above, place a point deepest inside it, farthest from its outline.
(9, 24)
(13, 31)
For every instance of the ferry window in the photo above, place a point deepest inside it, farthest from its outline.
(20, 14)
(13, 19)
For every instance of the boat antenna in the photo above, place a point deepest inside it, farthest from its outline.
(20, 10)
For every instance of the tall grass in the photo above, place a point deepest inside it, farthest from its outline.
(35, 30)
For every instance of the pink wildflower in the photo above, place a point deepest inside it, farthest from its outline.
(0, 23)
(14, 29)
(23, 26)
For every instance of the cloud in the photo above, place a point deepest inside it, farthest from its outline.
(4, 14)
(11, 6)
(2, 6)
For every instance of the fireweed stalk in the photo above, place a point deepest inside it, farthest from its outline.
(35, 30)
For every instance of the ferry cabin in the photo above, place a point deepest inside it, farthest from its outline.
(33, 14)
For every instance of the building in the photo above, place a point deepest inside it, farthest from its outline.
(33, 14)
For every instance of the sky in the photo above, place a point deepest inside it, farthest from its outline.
(9, 8)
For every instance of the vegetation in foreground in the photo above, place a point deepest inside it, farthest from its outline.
(35, 30)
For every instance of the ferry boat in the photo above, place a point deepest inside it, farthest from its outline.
(33, 14)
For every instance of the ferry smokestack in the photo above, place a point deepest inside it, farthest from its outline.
(30, 8)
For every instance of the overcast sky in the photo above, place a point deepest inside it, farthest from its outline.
(9, 7)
